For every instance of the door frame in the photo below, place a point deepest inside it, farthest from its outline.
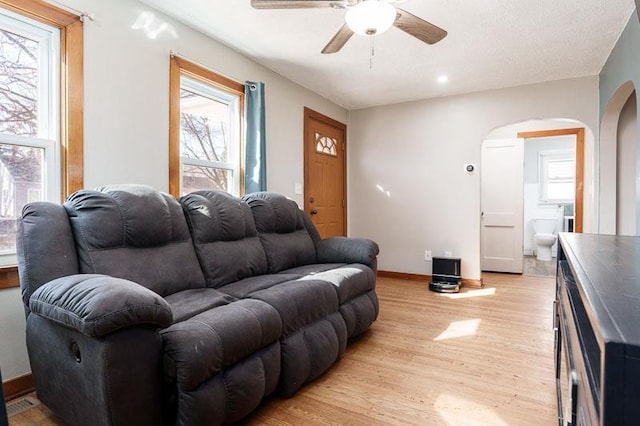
(579, 197)
(310, 115)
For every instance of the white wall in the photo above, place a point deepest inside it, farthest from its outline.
(626, 168)
(533, 209)
(407, 188)
(127, 117)
(126, 98)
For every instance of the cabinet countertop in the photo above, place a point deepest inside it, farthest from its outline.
(606, 269)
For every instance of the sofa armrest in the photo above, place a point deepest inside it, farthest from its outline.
(96, 305)
(347, 250)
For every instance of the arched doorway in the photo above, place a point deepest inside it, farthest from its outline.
(547, 139)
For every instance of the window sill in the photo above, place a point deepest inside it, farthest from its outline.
(9, 277)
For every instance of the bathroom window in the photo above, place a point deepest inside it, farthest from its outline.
(557, 177)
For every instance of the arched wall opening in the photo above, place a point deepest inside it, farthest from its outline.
(613, 210)
(627, 170)
(543, 138)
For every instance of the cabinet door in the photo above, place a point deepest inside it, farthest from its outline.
(566, 376)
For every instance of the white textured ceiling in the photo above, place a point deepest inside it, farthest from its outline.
(491, 44)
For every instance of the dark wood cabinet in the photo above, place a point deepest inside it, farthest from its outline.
(597, 327)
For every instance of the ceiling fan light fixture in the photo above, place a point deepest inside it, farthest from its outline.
(371, 17)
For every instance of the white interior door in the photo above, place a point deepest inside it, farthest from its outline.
(501, 186)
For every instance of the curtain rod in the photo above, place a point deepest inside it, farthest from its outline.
(83, 15)
(175, 54)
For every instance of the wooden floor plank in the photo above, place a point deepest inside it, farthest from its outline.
(482, 357)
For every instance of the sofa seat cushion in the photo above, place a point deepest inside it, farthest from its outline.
(204, 345)
(189, 303)
(350, 280)
(241, 289)
(312, 268)
(299, 303)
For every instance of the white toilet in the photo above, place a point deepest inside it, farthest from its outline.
(545, 237)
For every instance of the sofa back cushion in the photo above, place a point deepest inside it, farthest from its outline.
(281, 227)
(225, 237)
(136, 233)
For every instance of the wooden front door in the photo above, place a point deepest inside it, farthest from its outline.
(325, 196)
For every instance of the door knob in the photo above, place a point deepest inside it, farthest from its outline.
(314, 211)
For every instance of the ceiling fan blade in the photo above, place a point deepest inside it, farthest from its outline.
(339, 40)
(292, 4)
(418, 27)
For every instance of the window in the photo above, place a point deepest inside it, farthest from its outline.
(206, 130)
(557, 177)
(29, 119)
(41, 128)
(326, 145)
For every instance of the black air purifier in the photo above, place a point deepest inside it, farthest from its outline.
(445, 275)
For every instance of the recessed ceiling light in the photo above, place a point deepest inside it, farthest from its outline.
(443, 79)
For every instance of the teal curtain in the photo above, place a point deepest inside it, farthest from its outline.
(255, 174)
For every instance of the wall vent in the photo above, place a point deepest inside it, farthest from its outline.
(19, 405)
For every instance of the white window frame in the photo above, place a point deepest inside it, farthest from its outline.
(233, 103)
(48, 106)
(51, 176)
(544, 158)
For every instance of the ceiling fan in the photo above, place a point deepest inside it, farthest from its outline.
(363, 17)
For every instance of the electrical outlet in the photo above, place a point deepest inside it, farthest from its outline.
(427, 255)
(447, 253)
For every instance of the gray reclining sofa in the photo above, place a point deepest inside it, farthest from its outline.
(147, 310)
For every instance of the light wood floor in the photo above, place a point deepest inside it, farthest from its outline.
(483, 357)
